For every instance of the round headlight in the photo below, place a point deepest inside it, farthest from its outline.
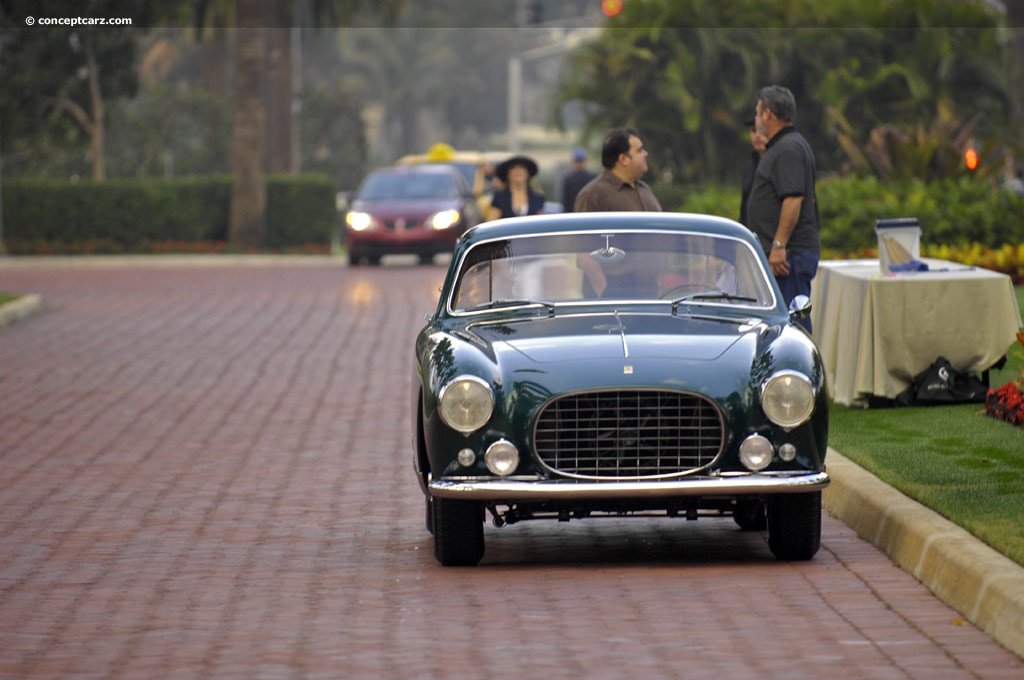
(787, 452)
(502, 457)
(788, 399)
(444, 219)
(466, 403)
(466, 457)
(358, 221)
(756, 453)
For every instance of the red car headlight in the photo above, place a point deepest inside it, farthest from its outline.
(445, 219)
(359, 221)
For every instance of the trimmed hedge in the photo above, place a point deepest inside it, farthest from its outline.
(127, 214)
(955, 213)
(131, 215)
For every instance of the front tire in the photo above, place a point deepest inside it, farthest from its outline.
(458, 532)
(430, 515)
(794, 525)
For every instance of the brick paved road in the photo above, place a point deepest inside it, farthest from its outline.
(205, 472)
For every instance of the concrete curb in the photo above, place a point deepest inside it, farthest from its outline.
(26, 305)
(983, 585)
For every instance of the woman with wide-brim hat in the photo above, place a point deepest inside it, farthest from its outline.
(518, 197)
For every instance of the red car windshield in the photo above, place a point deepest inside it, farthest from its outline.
(408, 186)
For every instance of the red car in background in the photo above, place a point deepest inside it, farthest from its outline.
(413, 209)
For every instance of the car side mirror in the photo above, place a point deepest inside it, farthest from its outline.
(800, 307)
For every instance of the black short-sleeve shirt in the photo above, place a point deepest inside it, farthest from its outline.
(786, 169)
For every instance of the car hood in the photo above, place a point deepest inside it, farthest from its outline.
(392, 209)
(617, 336)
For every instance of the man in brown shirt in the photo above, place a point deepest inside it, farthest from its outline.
(619, 187)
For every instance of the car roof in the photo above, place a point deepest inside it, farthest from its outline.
(474, 157)
(608, 221)
(433, 168)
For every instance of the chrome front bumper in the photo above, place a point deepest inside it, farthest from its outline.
(729, 484)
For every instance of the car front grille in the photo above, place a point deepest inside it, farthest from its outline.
(400, 224)
(628, 434)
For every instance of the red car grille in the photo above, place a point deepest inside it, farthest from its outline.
(628, 434)
(401, 224)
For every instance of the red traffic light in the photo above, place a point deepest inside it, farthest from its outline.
(611, 7)
(971, 159)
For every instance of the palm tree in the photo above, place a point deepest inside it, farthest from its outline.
(402, 70)
(247, 222)
(247, 225)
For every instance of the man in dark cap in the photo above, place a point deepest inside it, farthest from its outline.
(576, 179)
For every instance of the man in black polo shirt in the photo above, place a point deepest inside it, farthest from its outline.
(783, 208)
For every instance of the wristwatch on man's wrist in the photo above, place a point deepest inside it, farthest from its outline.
(778, 244)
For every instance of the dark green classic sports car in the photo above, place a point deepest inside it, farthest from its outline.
(630, 364)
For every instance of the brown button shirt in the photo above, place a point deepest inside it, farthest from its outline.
(609, 193)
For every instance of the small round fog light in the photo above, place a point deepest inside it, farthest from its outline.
(787, 452)
(466, 457)
(502, 457)
(756, 453)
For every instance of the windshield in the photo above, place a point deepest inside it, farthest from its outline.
(408, 186)
(632, 266)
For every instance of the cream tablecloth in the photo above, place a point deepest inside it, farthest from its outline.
(876, 332)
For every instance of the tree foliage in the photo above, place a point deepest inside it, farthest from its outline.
(59, 80)
(440, 72)
(686, 74)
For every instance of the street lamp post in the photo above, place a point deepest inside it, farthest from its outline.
(515, 90)
(568, 42)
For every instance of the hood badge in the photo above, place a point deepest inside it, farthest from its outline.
(627, 370)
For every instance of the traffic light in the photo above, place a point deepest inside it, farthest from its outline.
(611, 7)
(971, 159)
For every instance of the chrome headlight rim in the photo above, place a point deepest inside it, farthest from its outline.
(780, 408)
(501, 458)
(756, 453)
(473, 416)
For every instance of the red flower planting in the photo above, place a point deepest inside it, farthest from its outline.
(1007, 402)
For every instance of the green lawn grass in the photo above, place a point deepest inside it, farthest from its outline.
(953, 459)
(6, 297)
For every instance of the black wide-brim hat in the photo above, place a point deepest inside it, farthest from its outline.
(502, 170)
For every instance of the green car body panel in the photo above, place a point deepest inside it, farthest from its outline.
(533, 354)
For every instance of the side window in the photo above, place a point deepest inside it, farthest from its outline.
(484, 282)
(475, 287)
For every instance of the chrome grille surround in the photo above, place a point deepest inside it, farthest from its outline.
(628, 434)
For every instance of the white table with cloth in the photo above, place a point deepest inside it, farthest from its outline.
(877, 331)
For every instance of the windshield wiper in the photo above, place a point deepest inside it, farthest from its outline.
(501, 304)
(712, 295)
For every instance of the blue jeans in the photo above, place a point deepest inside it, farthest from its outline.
(802, 268)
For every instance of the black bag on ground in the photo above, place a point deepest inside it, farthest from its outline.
(940, 383)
